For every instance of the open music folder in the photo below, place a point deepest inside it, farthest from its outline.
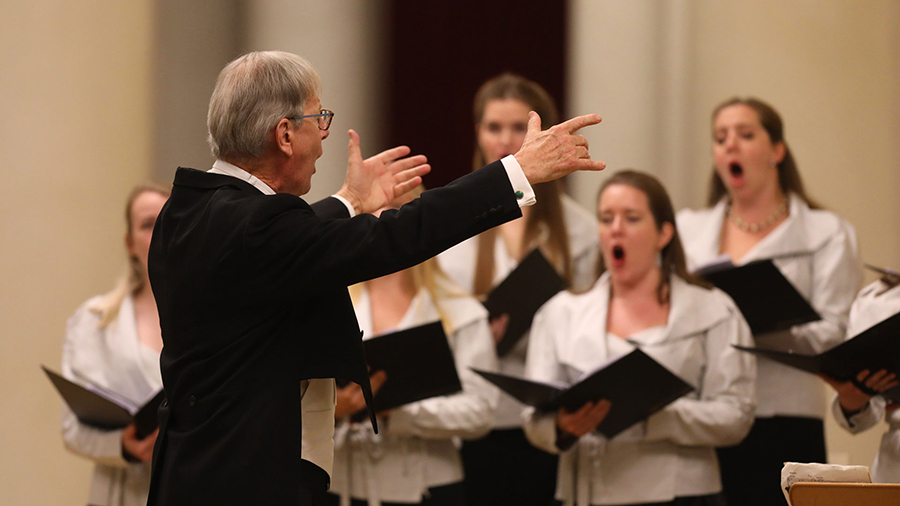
(418, 362)
(635, 385)
(532, 283)
(98, 407)
(768, 301)
(875, 348)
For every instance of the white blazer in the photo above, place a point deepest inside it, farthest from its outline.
(671, 454)
(115, 359)
(459, 264)
(874, 304)
(415, 448)
(816, 251)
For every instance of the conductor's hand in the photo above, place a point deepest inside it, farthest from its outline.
(372, 183)
(585, 420)
(558, 151)
(350, 398)
(138, 448)
(852, 398)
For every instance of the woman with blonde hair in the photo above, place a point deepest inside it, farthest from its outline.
(413, 459)
(114, 341)
(503, 468)
(758, 210)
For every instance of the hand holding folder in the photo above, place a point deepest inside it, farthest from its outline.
(635, 385)
(102, 409)
(874, 349)
(418, 363)
(533, 282)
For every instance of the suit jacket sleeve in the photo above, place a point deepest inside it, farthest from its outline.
(330, 207)
(307, 251)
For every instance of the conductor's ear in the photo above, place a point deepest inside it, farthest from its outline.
(284, 136)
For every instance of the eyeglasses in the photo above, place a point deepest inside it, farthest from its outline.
(323, 118)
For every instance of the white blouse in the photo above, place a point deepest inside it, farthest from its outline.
(672, 453)
(415, 448)
(459, 264)
(113, 358)
(875, 303)
(816, 251)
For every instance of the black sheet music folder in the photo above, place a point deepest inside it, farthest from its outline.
(874, 349)
(100, 408)
(532, 283)
(768, 301)
(418, 362)
(636, 386)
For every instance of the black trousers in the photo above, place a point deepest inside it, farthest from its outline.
(751, 471)
(503, 468)
(697, 500)
(445, 495)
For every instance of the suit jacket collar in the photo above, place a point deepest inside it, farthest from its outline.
(198, 179)
(193, 178)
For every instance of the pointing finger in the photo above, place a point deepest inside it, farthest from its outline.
(579, 122)
(588, 164)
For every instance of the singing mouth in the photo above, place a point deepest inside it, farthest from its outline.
(618, 253)
(736, 169)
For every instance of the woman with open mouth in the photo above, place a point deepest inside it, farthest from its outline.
(646, 299)
(759, 210)
(503, 468)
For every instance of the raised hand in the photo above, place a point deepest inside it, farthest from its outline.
(558, 151)
(372, 183)
(585, 419)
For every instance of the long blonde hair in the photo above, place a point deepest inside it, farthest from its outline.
(132, 281)
(427, 275)
(545, 224)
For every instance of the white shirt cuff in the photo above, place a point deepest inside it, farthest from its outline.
(348, 206)
(524, 192)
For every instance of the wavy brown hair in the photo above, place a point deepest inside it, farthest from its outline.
(788, 175)
(546, 216)
(673, 257)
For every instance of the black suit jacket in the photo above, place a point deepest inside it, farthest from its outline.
(252, 297)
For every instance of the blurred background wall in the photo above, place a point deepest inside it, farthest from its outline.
(98, 95)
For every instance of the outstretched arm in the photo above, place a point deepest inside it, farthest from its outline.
(545, 155)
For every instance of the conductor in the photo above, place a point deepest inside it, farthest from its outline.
(251, 281)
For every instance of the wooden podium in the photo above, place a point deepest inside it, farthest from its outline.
(845, 494)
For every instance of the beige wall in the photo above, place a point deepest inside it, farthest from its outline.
(342, 41)
(74, 137)
(655, 70)
(96, 98)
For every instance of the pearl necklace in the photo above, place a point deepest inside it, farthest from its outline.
(779, 213)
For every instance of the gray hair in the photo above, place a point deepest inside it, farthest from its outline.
(252, 94)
